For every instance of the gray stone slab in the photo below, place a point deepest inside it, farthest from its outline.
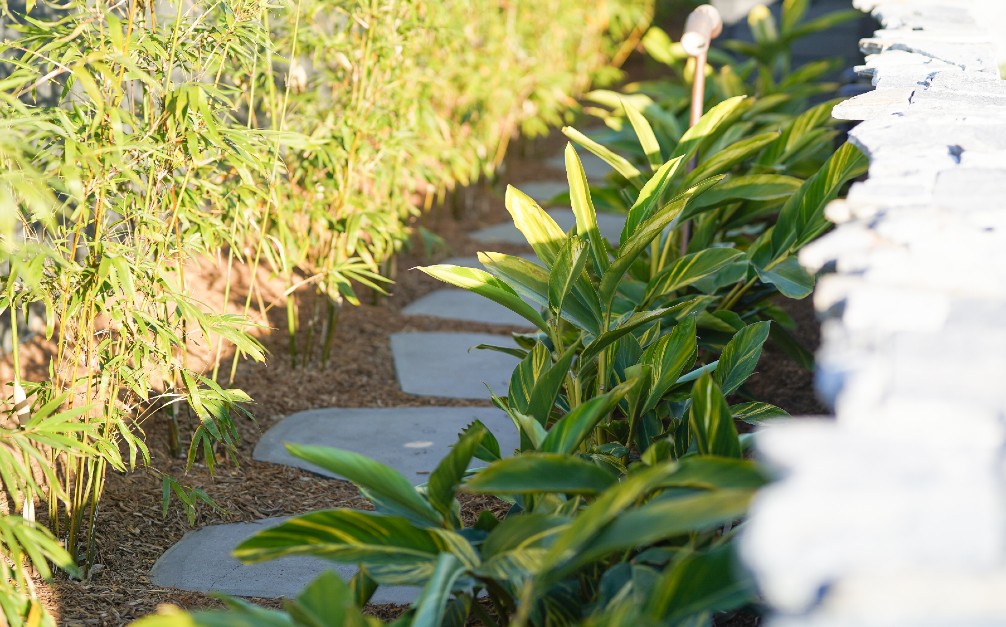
(412, 440)
(609, 224)
(444, 364)
(456, 304)
(595, 169)
(202, 562)
(543, 191)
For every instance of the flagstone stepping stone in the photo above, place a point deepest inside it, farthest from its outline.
(609, 224)
(446, 365)
(201, 562)
(543, 191)
(412, 440)
(595, 169)
(464, 305)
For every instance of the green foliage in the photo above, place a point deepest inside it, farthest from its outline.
(297, 138)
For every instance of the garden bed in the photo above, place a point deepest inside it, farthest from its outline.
(132, 533)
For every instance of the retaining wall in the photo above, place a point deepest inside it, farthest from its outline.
(894, 513)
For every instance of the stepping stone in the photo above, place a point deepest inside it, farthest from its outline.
(412, 440)
(543, 191)
(595, 169)
(201, 562)
(442, 364)
(609, 224)
(457, 304)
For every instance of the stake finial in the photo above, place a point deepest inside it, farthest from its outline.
(702, 26)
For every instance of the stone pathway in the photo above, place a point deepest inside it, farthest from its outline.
(410, 439)
(413, 439)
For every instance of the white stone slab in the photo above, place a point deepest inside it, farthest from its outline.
(202, 562)
(445, 365)
(457, 304)
(412, 440)
(609, 224)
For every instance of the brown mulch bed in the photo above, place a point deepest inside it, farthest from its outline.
(132, 533)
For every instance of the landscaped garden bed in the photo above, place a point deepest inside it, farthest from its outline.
(630, 340)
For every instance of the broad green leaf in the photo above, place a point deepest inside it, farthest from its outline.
(710, 422)
(740, 356)
(538, 228)
(534, 473)
(708, 581)
(569, 432)
(524, 377)
(665, 517)
(326, 601)
(618, 163)
(485, 284)
(583, 209)
(488, 449)
(709, 472)
(641, 238)
(756, 413)
(789, 277)
(689, 269)
(668, 357)
(447, 476)
(432, 602)
(644, 133)
(754, 187)
(531, 282)
(711, 123)
(608, 506)
(649, 197)
(568, 267)
(529, 530)
(350, 536)
(630, 324)
(800, 215)
(722, 161)
(379, 482)
(547, 385)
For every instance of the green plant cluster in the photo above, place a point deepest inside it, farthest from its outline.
(298, 138)
(630, 481)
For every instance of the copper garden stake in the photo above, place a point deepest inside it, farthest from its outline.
(702, 26)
